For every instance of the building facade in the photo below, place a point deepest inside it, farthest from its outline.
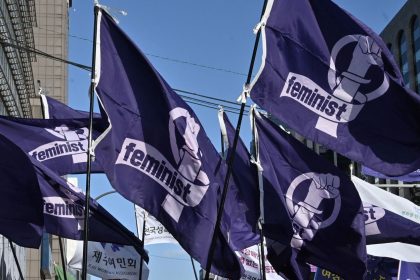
(17, 19)
(51, 37)
(402, 36)
(26, 25)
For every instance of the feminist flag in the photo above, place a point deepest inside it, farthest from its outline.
(54, 109)
(42, 201)
(339, 86)
(21, 201)
(410, 177)
(60, 144)
(155, 152)
(389, 219)
(242, 202)
(311, 208)
(63, 212)
(408, 271)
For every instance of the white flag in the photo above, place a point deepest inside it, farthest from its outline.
(249, 258)
(155, 232)
(106, 260)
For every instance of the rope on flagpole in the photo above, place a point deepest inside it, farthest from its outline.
(232, 155)
(223, 132)
(89, 152)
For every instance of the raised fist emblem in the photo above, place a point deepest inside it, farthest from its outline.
(323, 186)
(365, 54)
(369, 51)
(65, 133)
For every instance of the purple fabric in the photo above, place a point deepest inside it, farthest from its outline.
(21, 202)
(64, 213)
(60, 144)
(58, 110)
(242, 203)
(410, 177)
(43, 201)
(409, 271)
(384, 226)
(156, 153)
(339, 87)
(311, 207)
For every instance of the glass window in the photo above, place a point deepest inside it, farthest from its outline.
(402, 45)
(416, 52)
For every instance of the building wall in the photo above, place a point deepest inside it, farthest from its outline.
(51, 36)
(16, 83)
(402, 22)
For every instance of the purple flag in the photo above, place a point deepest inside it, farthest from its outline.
(64, 212)
(381, 268)
(310, 207)
(337, 86)
(60, 144)
(54, 109)
(410, 177)
(156, 153)
(42, 201)
(388, 217)
(242, 202)
(21, 202)
(409, 271)
(377, 269)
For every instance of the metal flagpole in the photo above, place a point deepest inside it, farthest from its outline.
(62, 258)
(232, 155)
(16, 259)
(256, 161)
(195, 272)
(89, 158)
(259, 259)
(142, 241)
(138, 235)
(262, 255)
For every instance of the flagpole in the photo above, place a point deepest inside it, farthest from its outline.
(62, 258)
(262, 255)
(260, 170)
(142, 242)
(232, 155)
(138, 235)
(193, 266)
(16, 259)
(89, 158)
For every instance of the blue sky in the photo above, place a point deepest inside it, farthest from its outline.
(216, 34)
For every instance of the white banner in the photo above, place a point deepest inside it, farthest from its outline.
(155, 232)
(249, 258)
(106, 260)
